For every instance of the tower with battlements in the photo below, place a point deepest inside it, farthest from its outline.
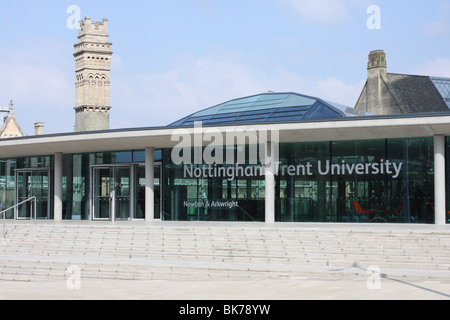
(93, 53)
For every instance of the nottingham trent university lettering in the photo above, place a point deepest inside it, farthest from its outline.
(383, 167)
(216, 161)
(232, 172)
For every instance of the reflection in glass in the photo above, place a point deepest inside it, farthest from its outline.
(334, 196)
(212, 198)
(112, 192)
(29, 184)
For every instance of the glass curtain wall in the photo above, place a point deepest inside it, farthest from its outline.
(448, 179)
(303, 196)
(214, 197)
(357, 181)
(411, 197)
(373, 181)
(345, 181)
(9, 185)
(77, 183)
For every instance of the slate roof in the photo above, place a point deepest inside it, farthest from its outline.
(417, 94)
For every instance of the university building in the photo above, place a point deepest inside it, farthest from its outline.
(293, 157)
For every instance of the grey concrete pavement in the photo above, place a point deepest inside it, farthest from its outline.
(356, 288)
(318, 283)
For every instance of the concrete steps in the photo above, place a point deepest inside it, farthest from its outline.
(43, 251)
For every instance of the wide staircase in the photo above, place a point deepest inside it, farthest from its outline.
(46, 251)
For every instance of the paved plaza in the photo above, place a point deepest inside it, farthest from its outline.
(353, 282)
(355, 288)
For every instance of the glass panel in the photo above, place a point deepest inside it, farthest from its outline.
(252, 119)
(77, 171)
(304, 195)
(443, 86)
(320, 111)
(140, 192)
(2, 185)
(157, 192)
(358, 181)
(278, 118)
(138, 156)
(40, 190)
(23, 193)
(448, 179)
(107, 180)
(257, 112)
(10, 199)
(122, 157)
(223, 120)
(215, 197)
(415, 187)
(33, 184)
(102, 182)
(365, 189)
(121, 184)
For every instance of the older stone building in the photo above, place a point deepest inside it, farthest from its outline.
(93, 53)
(10, 128)
(390, 93)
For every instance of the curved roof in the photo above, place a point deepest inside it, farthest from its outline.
(266, 108)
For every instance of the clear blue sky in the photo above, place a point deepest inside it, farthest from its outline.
(174, 57)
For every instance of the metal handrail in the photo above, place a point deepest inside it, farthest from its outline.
(4, 226)
(3, 213)
(247, 214)
(18, 205)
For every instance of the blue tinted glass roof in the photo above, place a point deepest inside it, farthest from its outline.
(265, 108)
(443, 86)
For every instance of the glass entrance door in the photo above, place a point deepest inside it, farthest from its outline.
(33, 183)
(111, 198)
(102, 181)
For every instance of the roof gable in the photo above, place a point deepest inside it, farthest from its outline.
(11, 128)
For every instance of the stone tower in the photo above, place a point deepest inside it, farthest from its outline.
(93, 53)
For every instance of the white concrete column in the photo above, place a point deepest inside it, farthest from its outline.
(58, 191)
(149, 184)
(440, 205)
(270, 185)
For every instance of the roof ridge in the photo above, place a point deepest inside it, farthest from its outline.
(409, 75)
(419, 75)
